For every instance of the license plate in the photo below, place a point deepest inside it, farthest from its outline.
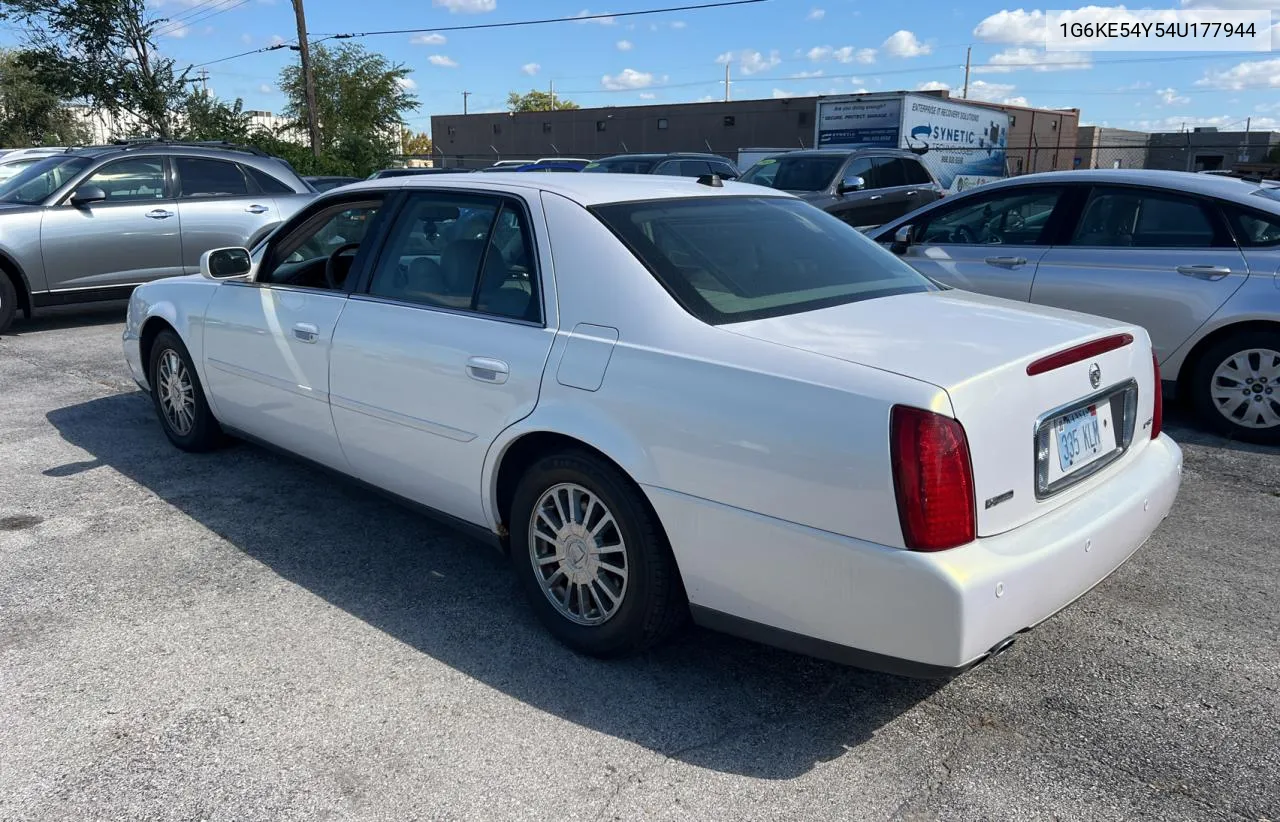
(1079, 438)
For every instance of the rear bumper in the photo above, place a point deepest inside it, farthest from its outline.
(905, 612)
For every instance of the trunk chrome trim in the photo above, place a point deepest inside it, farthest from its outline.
(1126, 393)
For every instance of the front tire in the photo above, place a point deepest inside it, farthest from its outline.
(179, 398)
(1236, 387)
(592, 557)
(8, 302)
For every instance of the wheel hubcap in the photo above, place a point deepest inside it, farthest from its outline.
(578, 554)
(176, 393)
(1243, 388)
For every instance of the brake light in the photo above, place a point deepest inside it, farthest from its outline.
(1157, 407)
(1079, 352)
(933, 479)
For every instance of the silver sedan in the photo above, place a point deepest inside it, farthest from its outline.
(1193, 258)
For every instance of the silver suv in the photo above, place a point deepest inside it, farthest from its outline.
(92, 223)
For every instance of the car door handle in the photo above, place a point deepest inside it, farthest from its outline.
(911, 193)
(306, 332)
(875, 196)
(1007, 262)
(1204, 272)
(159, 214)
(257, 209)
(485, 369)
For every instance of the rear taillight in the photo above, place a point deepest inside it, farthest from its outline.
(1157, 398)
(933, 479)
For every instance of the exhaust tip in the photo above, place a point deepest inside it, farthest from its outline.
(1000, 647)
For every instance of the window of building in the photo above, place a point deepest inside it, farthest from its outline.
(728, 120)
(546, 127)
(599, 125)
(804, 118)
(1013, 120)
(497, 128)
(662, 123)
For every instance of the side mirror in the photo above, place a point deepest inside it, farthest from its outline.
(225, 263)
(902, 239)
(851, 184)
(88, 195)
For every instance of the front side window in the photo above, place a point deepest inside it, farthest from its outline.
(1017, 217)
(138, 179)
(38, 180)
(733, 259)
(795, 173)
(1119, 217)
(319, 253)
(210, 178)
(461, 251)
(859, 169)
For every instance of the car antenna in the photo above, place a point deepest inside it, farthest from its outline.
(712, 180)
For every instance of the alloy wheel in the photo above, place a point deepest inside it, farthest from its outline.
(1246, 388)
(578, 553)
(176, 393)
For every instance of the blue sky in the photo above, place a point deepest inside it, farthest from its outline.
(775, 48)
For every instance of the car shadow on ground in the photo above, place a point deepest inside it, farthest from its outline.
(69, 316)
(705, 699)
(1182, 426)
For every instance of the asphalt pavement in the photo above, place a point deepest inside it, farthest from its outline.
(235, 636)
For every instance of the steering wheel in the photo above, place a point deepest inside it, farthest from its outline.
(964, 234)
(330, 272)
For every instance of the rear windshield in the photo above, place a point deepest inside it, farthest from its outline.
(1270, 192)
(794, 173)
(619, 167)
(733, 259)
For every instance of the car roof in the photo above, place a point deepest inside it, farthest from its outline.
(1209, 185)
(842, 152)
(584, 189)
(662, 155)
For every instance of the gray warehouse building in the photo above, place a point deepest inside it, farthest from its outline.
(1207, 149)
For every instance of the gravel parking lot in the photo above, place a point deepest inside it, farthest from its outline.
(237, 637)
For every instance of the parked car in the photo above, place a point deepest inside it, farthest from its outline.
(665, 396)
(540, 166)
(327, 183)
(679, 165)
(92, 223)
(863, 186)
(15, 160)
(1193, 258)
(414, 172)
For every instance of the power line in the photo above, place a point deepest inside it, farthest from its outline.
(213, 11)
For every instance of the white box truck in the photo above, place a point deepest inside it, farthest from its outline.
(963, 145)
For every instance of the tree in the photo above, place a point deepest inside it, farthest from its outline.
(32, 113)
(104, 52)
(361, 101)
(206, 117)
(415, 142)
(537, 101)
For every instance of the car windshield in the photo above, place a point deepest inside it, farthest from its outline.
(37, 181)
(794, 173)
(619, 166)
(1270, 192)
(732, 259)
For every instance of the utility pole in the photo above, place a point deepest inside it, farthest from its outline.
(465, 95)
(553, 95)
(308, 79)
(1243, 154)
(204, 81)
(726, 82)
(967, 53)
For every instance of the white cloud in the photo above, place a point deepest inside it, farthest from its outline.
(175, 30)
(864, 56)
(627, 79)
(1018, 27)
(466, 6)
(1176, 122)
(863, 90)
(1245, 5)
(934, 85)
(1169, 97)
(599, 21)
(905, 44)
(1263, 107)
(1249, 74)
(432, 39)
(845, 54)
(266, 88)
(625, 45)
(647, 95)
(782, 94)
(750, 62)
(816, 14)
(246, 39)
(990, 92)
(819, 53)
(276, 40)
(1137, 85)
(801, 75)
(406, 83)
(442, 61)
(678, 24)
(531, 68)
(1035, 60)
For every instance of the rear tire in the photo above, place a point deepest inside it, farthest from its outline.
(8, 302)
(179, 398)
(1235, 387)
(593, 527)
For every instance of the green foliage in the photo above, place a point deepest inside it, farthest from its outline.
(418, 143)
(361, 101)
(206, 117)
(32, 113)
(103, 52)
(537, 101)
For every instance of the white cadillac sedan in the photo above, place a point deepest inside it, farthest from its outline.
(666, 397)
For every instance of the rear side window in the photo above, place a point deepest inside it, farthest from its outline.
(723, 169)
(210, 178)
(888, 172)
(1136, 218)
(694, 168)
(732, 259)
(1254, 229)
(266, 183)
(917, 174)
